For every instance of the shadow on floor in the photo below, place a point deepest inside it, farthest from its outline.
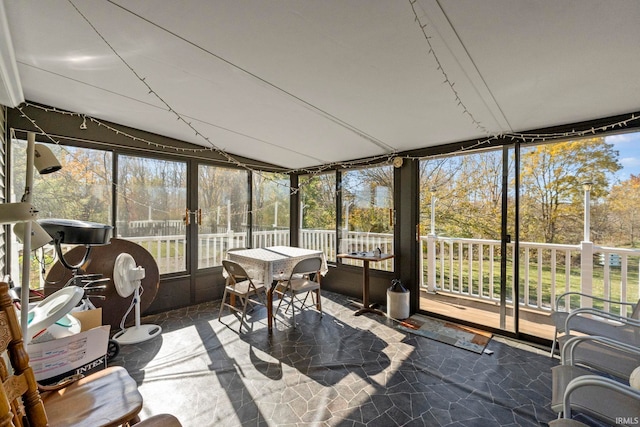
(338, 370)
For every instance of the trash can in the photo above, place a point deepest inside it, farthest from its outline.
(397, 300)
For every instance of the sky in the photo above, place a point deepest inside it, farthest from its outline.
(628, 145)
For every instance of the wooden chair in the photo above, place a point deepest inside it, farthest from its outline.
(19, 398)
(109, 397)
(240, 285)
(300, 282)
(161, 420)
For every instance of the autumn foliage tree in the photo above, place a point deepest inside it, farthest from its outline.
(624, 212)
(469, 191)
(552, 177)
(318, 197)
(81, 190)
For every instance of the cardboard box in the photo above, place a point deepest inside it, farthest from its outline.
(80, 353)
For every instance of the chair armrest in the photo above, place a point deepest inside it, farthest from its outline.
(60, 384)
(596, 381)
(568, 350)
(592, 297)
(605, 315)
(600, 313)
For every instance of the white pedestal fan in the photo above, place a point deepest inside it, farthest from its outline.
(127, 278)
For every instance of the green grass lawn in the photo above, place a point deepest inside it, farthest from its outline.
(461, 284)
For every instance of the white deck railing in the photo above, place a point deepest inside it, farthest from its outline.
(456, 266)
(169, 251)
(471, 267)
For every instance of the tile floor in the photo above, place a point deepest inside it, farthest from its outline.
(340, 370)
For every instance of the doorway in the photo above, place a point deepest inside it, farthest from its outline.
(468, 237)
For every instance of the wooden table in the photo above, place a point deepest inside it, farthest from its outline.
(263, 264)
(366, 258)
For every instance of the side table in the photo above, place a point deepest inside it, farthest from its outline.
(366, 258)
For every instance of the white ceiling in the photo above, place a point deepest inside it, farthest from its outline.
(309, 82)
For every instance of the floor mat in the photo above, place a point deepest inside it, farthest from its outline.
(449, 333)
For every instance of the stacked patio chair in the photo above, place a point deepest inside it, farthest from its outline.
(591, 321)
(593, 379)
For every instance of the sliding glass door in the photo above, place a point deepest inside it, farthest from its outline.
(467, 206)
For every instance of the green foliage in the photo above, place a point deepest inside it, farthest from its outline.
(551, 184)
(469, 192)
(367, 197)
(271, 197)
(80, 190)
(318, 201)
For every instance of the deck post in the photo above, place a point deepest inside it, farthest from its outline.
(586, 272)
(431, 263)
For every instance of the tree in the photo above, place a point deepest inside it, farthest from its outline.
(551, 186)
(624, 212)
(221, 190)
(367, 199)
(271, 197)
(468, 189)
(80, 190)
(318, 196)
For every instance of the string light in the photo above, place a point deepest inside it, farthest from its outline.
(229, 158)
(264, 173)
(431, 51)
(318, 169)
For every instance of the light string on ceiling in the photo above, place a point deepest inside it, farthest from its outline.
(534, 138)
(522, 137)
(213, 147)
(384, 158)
(264, 81)
(121, 189)
(166, 147)
(440, 68)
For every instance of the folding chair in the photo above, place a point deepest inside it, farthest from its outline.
(240, 285)
(299, 282)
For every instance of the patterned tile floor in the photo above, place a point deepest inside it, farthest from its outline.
(340, 370)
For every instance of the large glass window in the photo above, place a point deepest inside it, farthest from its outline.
(367, 212)
(152, 200)
(318, 213)
(223, 200)
(81, 190)
(271, 198)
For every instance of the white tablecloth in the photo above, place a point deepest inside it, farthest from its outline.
(264, 263)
